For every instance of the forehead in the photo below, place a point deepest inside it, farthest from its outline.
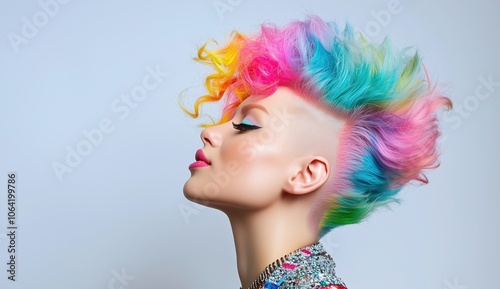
(283, 97)
(286, 99)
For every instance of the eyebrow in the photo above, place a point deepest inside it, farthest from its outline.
(249, 106)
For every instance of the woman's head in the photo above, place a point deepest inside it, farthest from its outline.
(275, 148)
(380, 94)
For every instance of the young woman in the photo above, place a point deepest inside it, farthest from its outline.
(318, 129)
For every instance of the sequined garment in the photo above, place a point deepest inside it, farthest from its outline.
(308, 267)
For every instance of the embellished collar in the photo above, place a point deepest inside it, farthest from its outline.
(307, 267)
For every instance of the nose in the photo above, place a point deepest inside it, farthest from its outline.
(211, 136)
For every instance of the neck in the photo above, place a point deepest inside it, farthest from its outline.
(263, 236)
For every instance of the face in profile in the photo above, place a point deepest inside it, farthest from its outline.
(248, 162)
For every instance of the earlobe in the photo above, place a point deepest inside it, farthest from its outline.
(308, 177)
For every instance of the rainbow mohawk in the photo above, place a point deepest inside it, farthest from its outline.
(386, 99)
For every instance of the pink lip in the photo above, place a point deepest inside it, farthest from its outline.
(201, 160)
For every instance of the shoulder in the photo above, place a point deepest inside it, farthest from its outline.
(308, 267)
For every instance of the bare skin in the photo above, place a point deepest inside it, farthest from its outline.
(266, 179)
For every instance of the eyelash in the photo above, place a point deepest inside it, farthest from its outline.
(244, 126)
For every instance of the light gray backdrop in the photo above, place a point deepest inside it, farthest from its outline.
(100, 174)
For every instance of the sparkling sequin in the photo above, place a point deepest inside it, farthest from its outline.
(309, 267)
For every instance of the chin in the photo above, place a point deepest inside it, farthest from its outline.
(193, 193)
(190, 192)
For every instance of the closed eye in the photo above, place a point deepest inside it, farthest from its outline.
(244, 126)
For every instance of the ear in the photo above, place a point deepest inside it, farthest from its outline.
(308, 175)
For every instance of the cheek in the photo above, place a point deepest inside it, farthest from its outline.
(262, 144)
(260, 167)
